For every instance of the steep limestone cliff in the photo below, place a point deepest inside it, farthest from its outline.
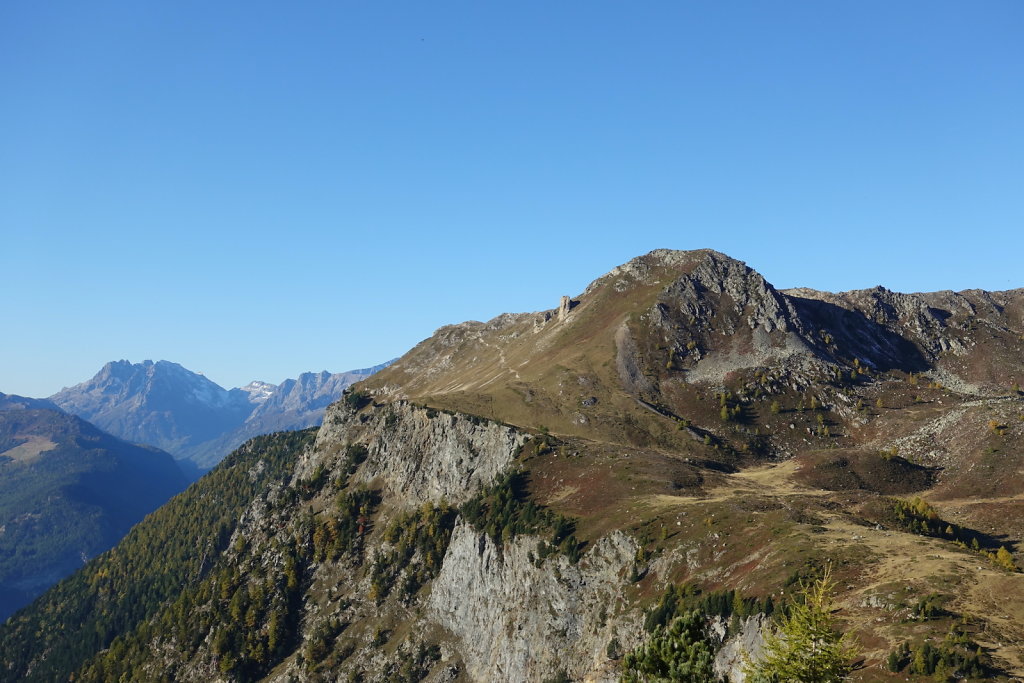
(417, 454)
(519, 619)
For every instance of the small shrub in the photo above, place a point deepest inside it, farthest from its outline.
(356, 400)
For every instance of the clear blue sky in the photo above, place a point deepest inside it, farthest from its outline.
(256, 189)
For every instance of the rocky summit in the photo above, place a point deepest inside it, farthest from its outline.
(646, 482)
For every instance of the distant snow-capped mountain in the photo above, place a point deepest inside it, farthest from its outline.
(259, 391)
(161, 404)
(193, 418)
(312, 392)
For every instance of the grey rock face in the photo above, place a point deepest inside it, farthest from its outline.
(512, 617)
(420, 454)
(517, 621)
(564, 306)
(507, 616)
(628, 363)
(732, 313)
(753, 301)
(746, 645)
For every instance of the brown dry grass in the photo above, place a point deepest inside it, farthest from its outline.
(30, 450)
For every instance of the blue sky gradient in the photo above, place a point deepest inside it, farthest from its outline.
(256, 189)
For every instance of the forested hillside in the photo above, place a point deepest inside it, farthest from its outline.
(67, 492)
(176, 546)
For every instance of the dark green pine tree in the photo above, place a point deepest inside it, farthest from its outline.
(680, 653)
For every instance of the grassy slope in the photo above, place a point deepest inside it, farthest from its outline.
(629, 468)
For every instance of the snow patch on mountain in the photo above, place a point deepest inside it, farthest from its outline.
(258, 391)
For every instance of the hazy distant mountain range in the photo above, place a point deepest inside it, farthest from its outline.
(70, 490)
(67, 492)
(193, 418)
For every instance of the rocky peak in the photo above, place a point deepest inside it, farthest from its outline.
(144, 381)
(754, 302)
(258, 392)
(564, 306)
(649, 267)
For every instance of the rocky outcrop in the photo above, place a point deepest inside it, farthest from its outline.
(418, 454)
(518, 619)
(751, 300)
(564, 306)
(719, 316)
(741, 647)
(944, 332)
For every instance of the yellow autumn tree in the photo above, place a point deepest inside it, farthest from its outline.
(808, 647)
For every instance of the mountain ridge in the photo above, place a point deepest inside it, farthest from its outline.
(676, 297)
(164, 404)
(15, 402)
(541, 495)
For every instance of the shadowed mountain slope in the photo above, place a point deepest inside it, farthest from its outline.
(13, 402)
(68, 492)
